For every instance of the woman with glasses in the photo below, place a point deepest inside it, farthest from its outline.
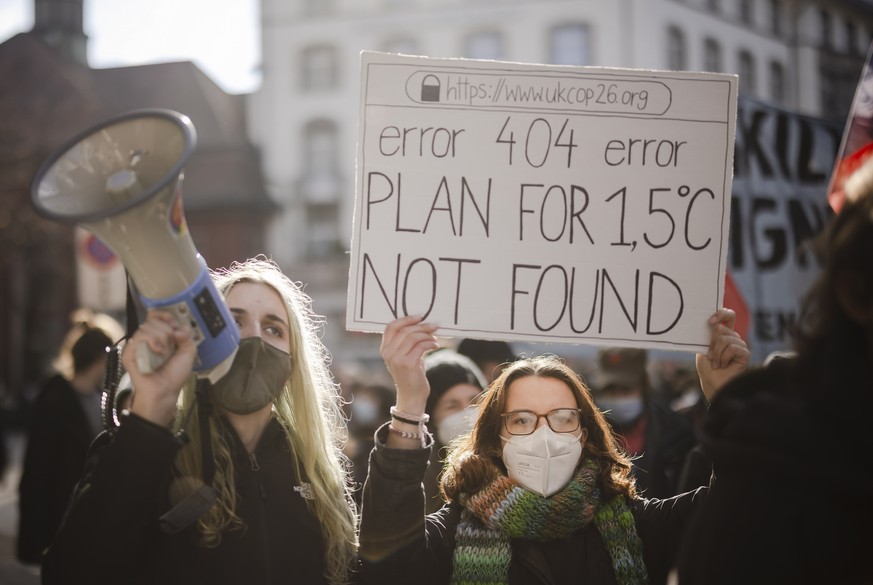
(539, 492)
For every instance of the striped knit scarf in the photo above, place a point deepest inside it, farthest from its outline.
(503, 510)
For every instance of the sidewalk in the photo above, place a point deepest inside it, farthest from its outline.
(11, 571)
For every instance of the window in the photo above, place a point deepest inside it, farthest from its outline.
(320, 147)
(777, 82)
(320, 180)
(675, 49)
(711, 56)
(747, 73)
(776, 17)
(569, 45)
(824, 20)
(851, 38)
(484, 45)
(322, 230)
(746, 12)
(319, 68)
(320, 188)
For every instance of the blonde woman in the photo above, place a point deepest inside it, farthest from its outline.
(255, 490)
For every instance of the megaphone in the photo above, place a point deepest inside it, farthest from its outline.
(121, 180)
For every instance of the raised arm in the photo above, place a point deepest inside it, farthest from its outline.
(397, 542)
(404, 344)
(727, 357)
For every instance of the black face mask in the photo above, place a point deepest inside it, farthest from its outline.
(256, 377)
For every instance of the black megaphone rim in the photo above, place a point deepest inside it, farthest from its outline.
(182, 121)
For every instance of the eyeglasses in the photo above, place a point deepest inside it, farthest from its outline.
(524, 422)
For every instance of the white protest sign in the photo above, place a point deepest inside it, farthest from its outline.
(541, 203)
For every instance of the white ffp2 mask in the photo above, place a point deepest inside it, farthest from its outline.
(543, 461)
(457, 424)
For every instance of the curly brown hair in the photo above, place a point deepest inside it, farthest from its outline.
(476, 459)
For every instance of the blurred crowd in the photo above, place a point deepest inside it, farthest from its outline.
(655, 407)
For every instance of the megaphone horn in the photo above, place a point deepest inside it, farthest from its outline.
(121, 180)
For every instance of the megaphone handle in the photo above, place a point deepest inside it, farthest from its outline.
(148, 361)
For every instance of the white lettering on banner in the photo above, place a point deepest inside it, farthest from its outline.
(542, 203)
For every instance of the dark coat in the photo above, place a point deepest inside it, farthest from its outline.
(399, 544)
(793, 500)
(57, 444)
(669, 440)
(111, 533)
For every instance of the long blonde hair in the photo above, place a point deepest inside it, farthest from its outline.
(309, 411)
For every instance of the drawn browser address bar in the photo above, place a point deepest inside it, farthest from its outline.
(595, 94)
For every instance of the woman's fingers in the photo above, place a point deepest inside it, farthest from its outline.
(157, 333)
(407, 339)
(728, 349)
(163, 335)
(726, 346)
(404, 344)
(725, 316)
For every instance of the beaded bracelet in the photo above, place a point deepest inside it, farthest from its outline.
(413, 419)
(423, 436)
(404, 434)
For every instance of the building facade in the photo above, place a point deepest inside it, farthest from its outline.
(802, 55)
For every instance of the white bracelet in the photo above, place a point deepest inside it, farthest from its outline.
(422, 435)
(412, 419)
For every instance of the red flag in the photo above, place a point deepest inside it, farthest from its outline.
(857, 143)
(733, 299)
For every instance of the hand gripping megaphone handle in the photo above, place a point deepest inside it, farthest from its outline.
(224, 347)
(148, 361)
(213, 329)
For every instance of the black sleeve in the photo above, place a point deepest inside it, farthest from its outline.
(661, 525)
(112, 521)
(399, 543)
(39, 511)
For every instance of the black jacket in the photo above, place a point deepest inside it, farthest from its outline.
(57, 445)
(111, 533)
(793, 498)
(668, 441)
(399, 544)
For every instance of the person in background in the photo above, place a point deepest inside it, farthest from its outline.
(491, 356)
(368, 410)
(657, 439)
(792, 500)
(455, 385)
(255, 490)
(64, 421)
(539, 492)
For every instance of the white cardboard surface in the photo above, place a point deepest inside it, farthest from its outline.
(542, 203)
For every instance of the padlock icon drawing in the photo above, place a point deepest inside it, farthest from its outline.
(430, 88)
